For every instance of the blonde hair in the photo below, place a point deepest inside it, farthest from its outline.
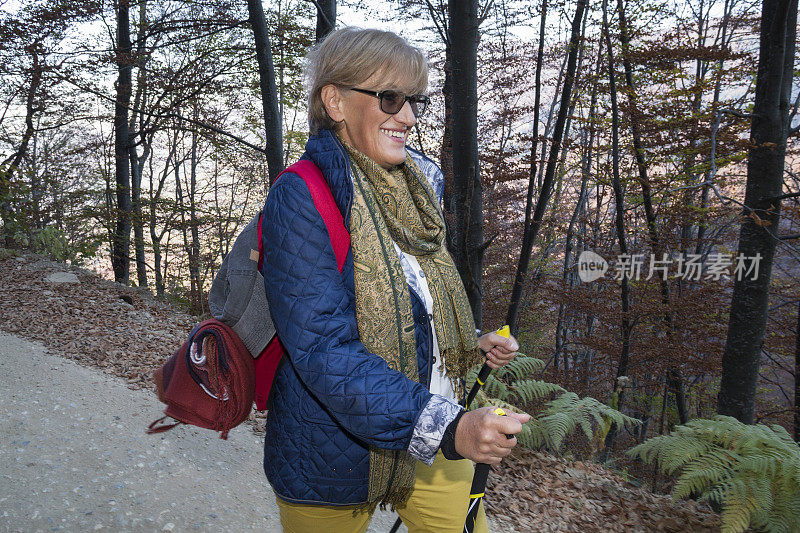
(349, 56)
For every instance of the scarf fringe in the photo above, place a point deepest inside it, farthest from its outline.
(396, 499)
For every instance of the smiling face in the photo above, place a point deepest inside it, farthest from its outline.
(361, 123)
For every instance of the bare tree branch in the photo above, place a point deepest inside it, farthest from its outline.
(174, 116)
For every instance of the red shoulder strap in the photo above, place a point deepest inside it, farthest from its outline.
(325, 204)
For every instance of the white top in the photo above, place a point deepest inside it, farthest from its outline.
(415, 276)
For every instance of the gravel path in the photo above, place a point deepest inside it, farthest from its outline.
(74, 457)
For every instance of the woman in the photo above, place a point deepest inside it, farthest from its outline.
(365, 412)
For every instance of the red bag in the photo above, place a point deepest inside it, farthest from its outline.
(209, 382)
(212, 380)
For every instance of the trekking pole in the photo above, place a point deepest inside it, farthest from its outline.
(479, 487)
(485, 370)
(483, 374)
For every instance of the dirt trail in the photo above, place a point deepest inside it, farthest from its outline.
(74, 457)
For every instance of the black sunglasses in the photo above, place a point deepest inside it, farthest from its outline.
(392, 101)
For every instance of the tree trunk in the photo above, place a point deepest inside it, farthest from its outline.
(11, 165)
(157, 263)
(37, 184)
(326, 18)
(674, 376)
(626, 326)
(758, 237)
(709, 174)
(797, 379)
(446, 154)
(165, 276)
(468, 233)
(586, 167)
(690, 158)
(185, 234)
(194, 251)
(675, 383)
(512, 314)
(120, 246)
(137, 163)
(532, 227)
(273, 127)
(137, 219)
(155, 196)
(548, 128)
(566, 275)
(638, 148)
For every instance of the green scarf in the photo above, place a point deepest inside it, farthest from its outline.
(398, 204)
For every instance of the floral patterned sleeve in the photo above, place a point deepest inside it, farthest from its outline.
(430, 428)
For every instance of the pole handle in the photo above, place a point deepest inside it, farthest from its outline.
(484, 372)
(482, 469)
(478, 488)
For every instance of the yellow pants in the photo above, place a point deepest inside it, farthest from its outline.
(438, 504)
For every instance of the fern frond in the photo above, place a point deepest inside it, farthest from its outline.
(527, 390)
(556, 427)
(752, 470)
(522, 367)
(700, 475)
(533, 435)
(482, 400)
(496, 388)
(561, 416)
(567, 412)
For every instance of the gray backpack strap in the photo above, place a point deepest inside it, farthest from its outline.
(238, 298)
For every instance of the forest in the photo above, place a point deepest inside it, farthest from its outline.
(622, 188)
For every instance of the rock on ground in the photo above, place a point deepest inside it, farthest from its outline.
(62, 277)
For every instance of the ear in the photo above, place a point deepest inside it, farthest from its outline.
(332, 100)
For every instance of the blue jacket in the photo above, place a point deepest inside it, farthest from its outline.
(332, 398)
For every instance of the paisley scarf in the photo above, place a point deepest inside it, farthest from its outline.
(399, 205)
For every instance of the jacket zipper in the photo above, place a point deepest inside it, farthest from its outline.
(430, 349)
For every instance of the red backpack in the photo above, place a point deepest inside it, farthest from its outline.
(228, 362)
